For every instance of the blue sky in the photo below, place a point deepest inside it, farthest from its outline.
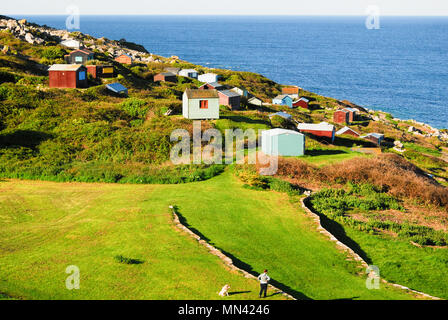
(246, 7)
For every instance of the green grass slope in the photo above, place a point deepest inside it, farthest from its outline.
(47, 226)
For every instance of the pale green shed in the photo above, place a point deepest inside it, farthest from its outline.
(200, 104)
(283, 142)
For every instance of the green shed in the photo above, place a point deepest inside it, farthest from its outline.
(288, 143)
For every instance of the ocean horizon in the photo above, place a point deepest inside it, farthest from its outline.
(400, 68)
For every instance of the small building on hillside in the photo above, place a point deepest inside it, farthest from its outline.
(106, 71)
(292, 91)
(341, 117)
(283, 100)
(212, 86)
(124, 59)
(351, 114)
(117, 88)
(254, 101)
(172, 70)
(301, 102)
(230, 98)
(376, 138)
(189, 73)
(101, 71)
(208, 77)
(282, 114)
(165, 76)
(80, 56)
(283, 142)
(347, 131)
(200, 104)
(71, 43)
(322, 129)
(241, 91)
(67, 76)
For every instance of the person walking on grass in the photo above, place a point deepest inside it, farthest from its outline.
(264, 279)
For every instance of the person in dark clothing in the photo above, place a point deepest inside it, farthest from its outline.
(264, 279)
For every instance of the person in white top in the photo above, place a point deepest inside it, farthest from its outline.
(264, 279)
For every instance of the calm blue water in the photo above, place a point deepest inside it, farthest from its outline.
(401, 68)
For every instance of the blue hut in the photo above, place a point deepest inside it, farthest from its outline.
(283, 100)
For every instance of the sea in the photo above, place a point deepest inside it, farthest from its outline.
(401, 68)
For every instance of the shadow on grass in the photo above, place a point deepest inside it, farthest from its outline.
(338, 231)
(327, 152)
(240, 264)
(243, 119)
(346, 299)
(23, 138)
(238, 292)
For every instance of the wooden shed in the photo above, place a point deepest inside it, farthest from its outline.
(200, 104)
(376, 138)
(67, 76)
(230, 98)
(165, 76)
(80, 56)
(291, 90)
(322, 129)
(124, 59)
(283, 100)
(208, 77)
(341, 116)
(283, 142)
(301, 102)
(190, 73)
(101, 71)
(347, 131)
(351, 113)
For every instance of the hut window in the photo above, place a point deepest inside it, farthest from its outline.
(203, 104)
(78, 59)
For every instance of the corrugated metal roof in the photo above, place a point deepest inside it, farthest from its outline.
(65, 67)
(351, 109)
(116, 87)
(374, 134)
(230, 93)
(304, 99)
(201, 94)
(167, 74)
(344, 130)
(323, 126)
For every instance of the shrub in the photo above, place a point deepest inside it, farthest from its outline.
(136, 108)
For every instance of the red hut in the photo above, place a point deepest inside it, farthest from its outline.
(124, 59)
(68, 76)
(229, 98)
(165, 76)
(322, 129)
(302, 103)
(341, 116)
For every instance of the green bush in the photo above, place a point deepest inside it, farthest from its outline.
(136, 108)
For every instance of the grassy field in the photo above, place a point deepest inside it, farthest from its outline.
(47, 226)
